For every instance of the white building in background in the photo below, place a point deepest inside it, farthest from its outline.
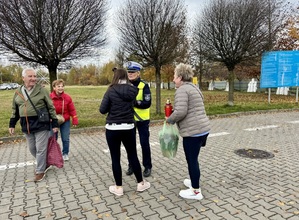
(282, 91)
(226, 86)
(252, 85)
(211, 85)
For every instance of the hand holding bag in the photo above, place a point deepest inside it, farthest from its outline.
(60, 119)
(169, 139)
(54, 155)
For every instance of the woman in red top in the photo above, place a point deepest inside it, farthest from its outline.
(64, 106)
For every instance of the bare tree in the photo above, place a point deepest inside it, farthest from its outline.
(120, 57)
(155, 32)
(49, 32)
(197, 58)
(233, 31)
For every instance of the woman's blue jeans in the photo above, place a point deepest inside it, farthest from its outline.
(65, 129)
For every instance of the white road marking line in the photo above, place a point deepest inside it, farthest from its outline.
(15, 165)
(218, 134)
(122, 148)
(293, 122)
(261, 128)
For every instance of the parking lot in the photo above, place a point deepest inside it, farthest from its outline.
(233, 187)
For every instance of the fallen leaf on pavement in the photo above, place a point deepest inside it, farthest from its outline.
(162, 197)
(24, 214)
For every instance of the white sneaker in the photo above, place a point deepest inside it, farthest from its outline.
(116, 190)
(190, 194)
(65, 157)
(143, 186)
(187, 183)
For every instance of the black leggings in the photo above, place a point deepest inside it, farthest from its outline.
(128, 138)
(192, 147)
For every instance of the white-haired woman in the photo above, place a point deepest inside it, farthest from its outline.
(193, 124)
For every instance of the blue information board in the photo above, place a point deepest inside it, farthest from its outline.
(280, 69)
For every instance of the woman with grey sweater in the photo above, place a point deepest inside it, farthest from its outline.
(193, 124)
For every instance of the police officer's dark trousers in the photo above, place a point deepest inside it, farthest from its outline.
(144, 134)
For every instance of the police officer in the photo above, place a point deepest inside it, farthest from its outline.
(142, 115)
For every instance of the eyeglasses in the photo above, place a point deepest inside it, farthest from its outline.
(132, 72)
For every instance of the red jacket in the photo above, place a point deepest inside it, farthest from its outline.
(69, 107)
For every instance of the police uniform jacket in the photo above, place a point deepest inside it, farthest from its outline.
(143, 100)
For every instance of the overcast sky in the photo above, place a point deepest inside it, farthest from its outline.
(193, 8)
(108, 53)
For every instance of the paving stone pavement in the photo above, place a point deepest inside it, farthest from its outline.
(233, 187)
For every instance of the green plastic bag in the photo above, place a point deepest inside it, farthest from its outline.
(169, 140)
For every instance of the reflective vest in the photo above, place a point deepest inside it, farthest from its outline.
(144, 114)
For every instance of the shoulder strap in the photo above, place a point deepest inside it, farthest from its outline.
(141, 85)
(20, 95)
(62, 106)
(30, 101)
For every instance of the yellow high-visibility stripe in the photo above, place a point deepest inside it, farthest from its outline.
(144, 114)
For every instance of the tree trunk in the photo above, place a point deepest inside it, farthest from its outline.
(52, 74)
(200, 72)
(158, 90)
(231, 78)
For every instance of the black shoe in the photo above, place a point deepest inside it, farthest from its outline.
(129, 171)
(147, 172)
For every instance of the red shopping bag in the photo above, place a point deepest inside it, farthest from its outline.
(54, 155)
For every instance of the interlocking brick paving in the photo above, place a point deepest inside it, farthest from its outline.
(234, 187)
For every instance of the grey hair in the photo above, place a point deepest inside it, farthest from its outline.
(185, 71)
(27, 69)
